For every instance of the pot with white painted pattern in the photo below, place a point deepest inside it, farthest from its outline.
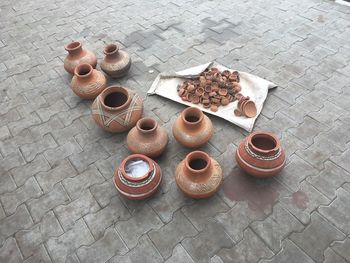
(117, 109)
(198, 175)
(261, 155)
(137, 177)
(88, 82)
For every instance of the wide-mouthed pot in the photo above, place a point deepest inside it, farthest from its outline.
(88, 82)
(137, 177)
(192, 128)
(116, 62)
(117, 109)
(147, 138)
(78, 55)
(198, 175)
(261, 155)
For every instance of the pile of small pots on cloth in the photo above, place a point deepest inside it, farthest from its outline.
(213, 89)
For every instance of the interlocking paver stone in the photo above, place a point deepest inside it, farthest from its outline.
(40, 255)
(10, 252)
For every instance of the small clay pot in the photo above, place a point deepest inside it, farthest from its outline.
(87, 82)
(198, 175)
(192, 128)
(136, 185)
(116, 63)
(249, 109)
(224, 101)
(77, 55)
(261, 155)
(199, 92)
(147, 138)
(117, 109)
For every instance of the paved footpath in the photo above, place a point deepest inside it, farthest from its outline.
(58, 202)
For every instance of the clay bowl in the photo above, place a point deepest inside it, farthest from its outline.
(249, 109)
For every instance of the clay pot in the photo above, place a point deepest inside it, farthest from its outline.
(261, 155)
(249, 109)
(116, 63)
(192, 128)
(117, 109)
(147, 138)
(198, 175)
(137, 184)
(87, 82)
(77, 55)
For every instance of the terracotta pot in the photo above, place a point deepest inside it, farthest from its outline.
(116, 63)
(87, 82)
(147, 138)
(137, 185)
(198, 175)
(77, 55)
(117, 109)
(192, 128)
(261, 155)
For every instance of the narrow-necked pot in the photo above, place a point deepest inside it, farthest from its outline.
(78, 55)
(116, 62)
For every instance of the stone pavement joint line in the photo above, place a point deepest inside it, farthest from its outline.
(57, 198)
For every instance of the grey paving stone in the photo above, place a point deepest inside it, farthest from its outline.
(21, 219)
(115, 211)
(38, 207)
(75, 185)
(67, 117)
(56, 155)
(12, 200)
(61, 247)
(49, 179)
(31, 150)
(22, 173)
(63, 135)
(40, 255)
(104, 192)
(166, 238)
(9, 252)
(4, 133)
(203, 210)
(143, 252)
(29, 240)
(103, 249)
(316, 237)
(68, 214)
(241, 253)
(46, 113)
(149, 220)
(289, 253)
(179, 255)
(6, 182)
(331, 256)
(54, 124)
(207, 243)
(12, 161)
(276, 227)
(11, 145)
(342, 248)
(341, 160)
(338, 211)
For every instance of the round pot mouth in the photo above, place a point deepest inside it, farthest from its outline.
(146, 125)
(83, 70)
(192, 116)
(110, 49)
(75, 45)
(197, 162)
(263, 142)
(115, 97)
(136, 157)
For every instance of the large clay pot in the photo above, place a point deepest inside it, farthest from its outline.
(261, 155)
(117, 109)
(147, 138)
(87, 82)
(192, 128)
(77, 55)
(116, 63)
(137, 184)
(198, 175)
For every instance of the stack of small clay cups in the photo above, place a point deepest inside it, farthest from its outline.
(245, 107)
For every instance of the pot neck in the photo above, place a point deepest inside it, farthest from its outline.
(137, 157)
(74, 48)
(192, 118)
(84, 72)
(147, 127)
(115, 98)
(111, 51)
(198, 164)
(264, 144)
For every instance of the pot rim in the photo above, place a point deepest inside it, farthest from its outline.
(111, 49)
(266, 135)
(198, 113)
(82, 66)
(136, 156)
(197, 155)
(115, 89)
(74, 45)
(146, 120)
